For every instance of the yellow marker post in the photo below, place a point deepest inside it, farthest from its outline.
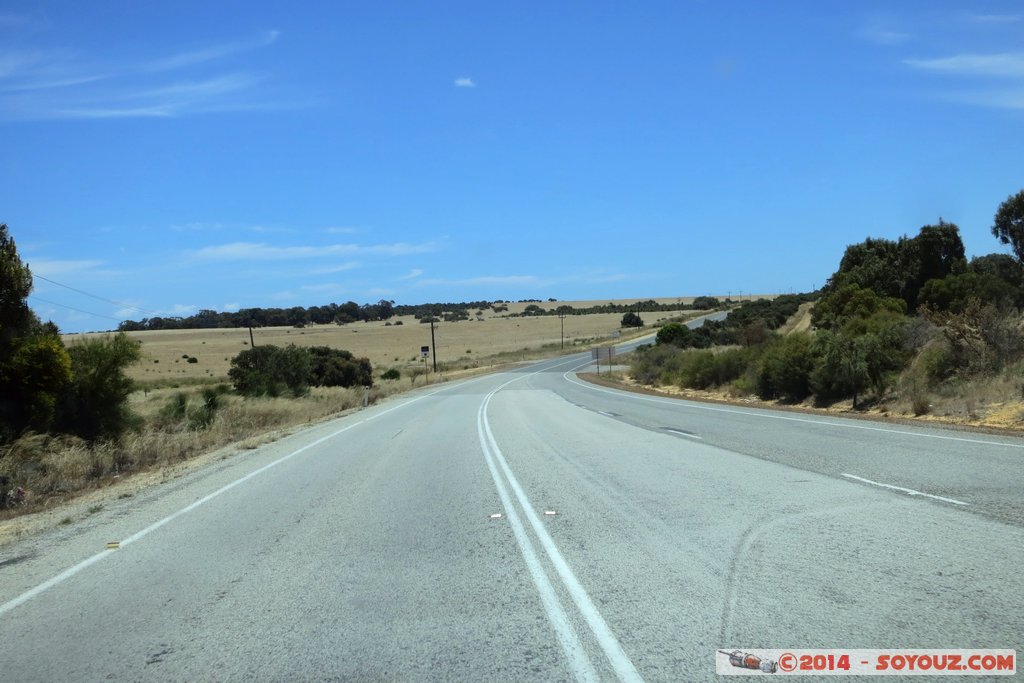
(113, 545)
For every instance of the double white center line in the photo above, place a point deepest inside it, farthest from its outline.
(567, 636)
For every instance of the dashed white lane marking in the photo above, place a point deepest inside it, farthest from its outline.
(910, 492)
(680, 432)
(769, 416)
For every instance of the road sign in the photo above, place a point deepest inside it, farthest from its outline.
(424, 351)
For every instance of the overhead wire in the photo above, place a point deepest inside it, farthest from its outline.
(72, 308)
(95, 296)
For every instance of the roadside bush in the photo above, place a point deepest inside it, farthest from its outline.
(95, 403)
(392, 374)
(785, 368)
(338, 368)
(271, 371)
(631, 320)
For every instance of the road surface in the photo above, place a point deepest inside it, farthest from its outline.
(528, 526)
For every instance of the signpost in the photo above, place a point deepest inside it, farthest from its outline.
(606, 352)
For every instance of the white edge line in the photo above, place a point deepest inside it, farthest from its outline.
(617, 657)
(89, 561)
(911, 492)
(766, 415)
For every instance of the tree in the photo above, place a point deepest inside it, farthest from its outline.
(338, 368)
(631, 320)
(271, 370)
(1008, 225)
(785, 369)
(674, 333)
(95, 404)
(16, 318)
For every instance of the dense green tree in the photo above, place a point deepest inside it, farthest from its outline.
(1008, 225)
(631, 319)
(269, 370)
(852, 301)
(95, 404)
(785, 368)
(16, 319)
(674, 333)
(338, 368)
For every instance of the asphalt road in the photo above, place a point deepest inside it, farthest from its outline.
(414, 541)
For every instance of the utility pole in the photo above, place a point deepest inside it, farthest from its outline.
(252, 342)
(433, 344)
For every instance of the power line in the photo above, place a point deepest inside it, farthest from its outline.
(72, 308)
(95, 296)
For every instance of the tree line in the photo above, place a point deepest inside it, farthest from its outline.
(297, 316)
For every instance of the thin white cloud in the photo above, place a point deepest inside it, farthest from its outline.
(40, 85)
(997, 18)
(1009, 98)
(207, 54)
(997, 65)
(464, 82)
(8, 19)
(325, 288)
(412, 274)
(351, 265)
(340, 230)
(56, 267)
(884, 36)
(254, 251)
(233, 306)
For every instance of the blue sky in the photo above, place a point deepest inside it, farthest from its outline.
(188, 155)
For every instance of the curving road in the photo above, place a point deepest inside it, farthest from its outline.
(530, 526)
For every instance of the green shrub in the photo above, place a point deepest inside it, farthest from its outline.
(392, 374)
(271, 371)
(785, 368)
(95, 403)
(338, 368)
(631, 320)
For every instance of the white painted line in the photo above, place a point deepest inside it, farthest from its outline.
(569, 640)
(764, 414)
(496, 515)
(607, 414)
(911, 492)
(680, 432)
(89, 561)
(68, 573)
(550, 512)
(606, 639)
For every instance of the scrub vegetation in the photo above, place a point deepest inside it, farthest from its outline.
(908, 325)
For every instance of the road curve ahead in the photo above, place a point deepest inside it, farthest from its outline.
(527, 526)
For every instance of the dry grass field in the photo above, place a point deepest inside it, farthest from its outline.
(165, 354)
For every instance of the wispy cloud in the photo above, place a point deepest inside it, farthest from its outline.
(55, 267)
(351, 265)
(999, 65)
(464, 82)
(209, 54)
(412, 274)
(997, 18)
(884, 36)
(62, 84)
(341, 230)
(254, 251)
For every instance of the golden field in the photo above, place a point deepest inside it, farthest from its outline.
(465, 343)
